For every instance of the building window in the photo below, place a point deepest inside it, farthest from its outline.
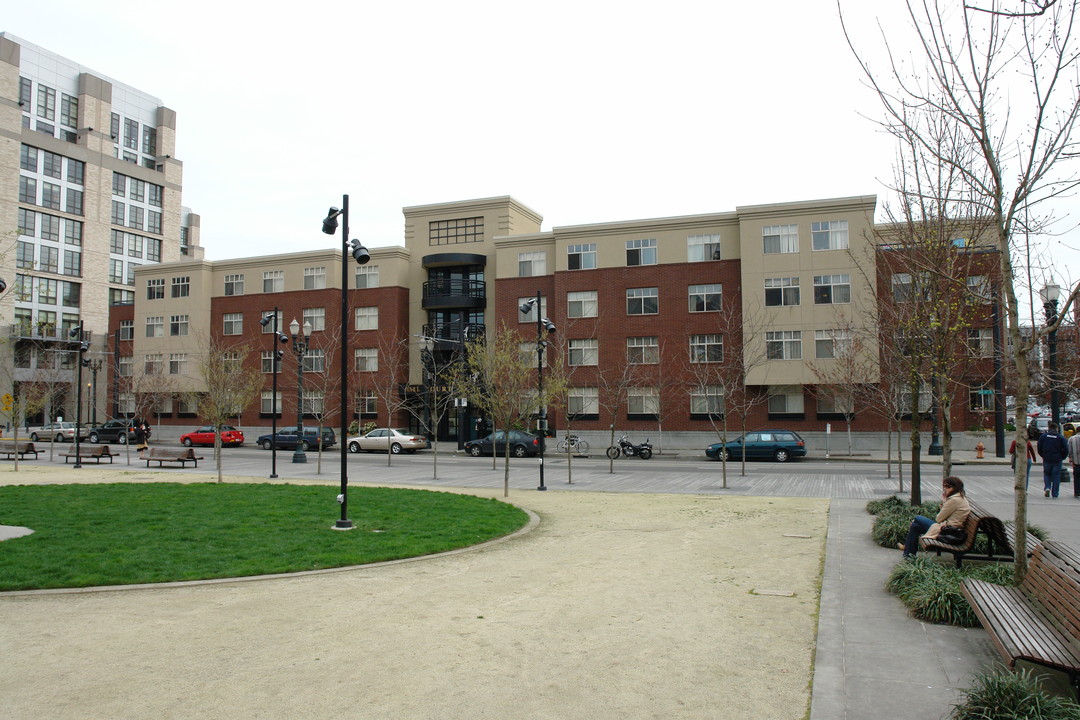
(155, 289)
(981, 342)
(583, 401)
(26, 93)
(135, 246)
(780, 239)
(232, 323)
(314, 360)
(903, 393)
(452, 232)
(46, 103)
(367, 276)
(700, 248)
(27, 222)
(785, 400)
(153, 222)
(52, 165)
(269, 405)
(76, 171)
(74, 204)
(47, 291)
(832, 289)
(531, 264)
(979, 287)
(125, 365)
(581, 257)
(178, 325)
(69, 110)
(234, 285)
(584, 351)
(707, 400)
(367, 402)
(70, 294)
(28, 158)
(581, 304)
(642, 301)
(831, 235)
(829, 344)
(149, 140)
(642, 350)
(781, 291)
(127, 329)
(73, 232)
(835, 402)
(178, 363)
(783, 345)
(24, 255)
(116, 271)
(266, 361)
(530, 314)
(366, 359)
(157, 194)
(705, 298)
(48, 259)
(131, 134)
(641, 252)
(315, 316)
(274, 281)
(982, 400)
(181, 286)
(902, 287)
(313, 402)
(50, 228)
(153, 365)
(642, 401)
(119, 211)
(706, 348)
(367, 318)
(314, 278)
(50, 195)
(270, 326)
(27, 190)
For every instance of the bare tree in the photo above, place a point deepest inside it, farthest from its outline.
(388, 382)
(229, 384)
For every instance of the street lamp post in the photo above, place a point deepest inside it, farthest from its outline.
(1050, 296)
(360, 254)
(95, 365)
(300, 346)
(542, 324)
(275, 363)
(76, 336)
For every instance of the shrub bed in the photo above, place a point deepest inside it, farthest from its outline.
(1003, 695)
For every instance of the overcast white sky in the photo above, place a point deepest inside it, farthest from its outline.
(585, 110)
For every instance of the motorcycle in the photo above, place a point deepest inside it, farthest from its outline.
(628, 449)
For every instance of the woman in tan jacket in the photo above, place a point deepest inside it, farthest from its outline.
(954, 512)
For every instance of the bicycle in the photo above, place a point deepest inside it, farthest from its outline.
(572, 443)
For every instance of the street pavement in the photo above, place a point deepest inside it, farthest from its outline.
(872, 659)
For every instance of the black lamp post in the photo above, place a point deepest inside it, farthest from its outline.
(361, 256)
(76, 335)
(275, 361)
(1050, 296)
(95, 365)
(542, 324)
(300, 346)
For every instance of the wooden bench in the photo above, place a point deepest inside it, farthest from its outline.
(10, 449)
(163, 455)
(97, 453)
(1039, 621)
(999, 539)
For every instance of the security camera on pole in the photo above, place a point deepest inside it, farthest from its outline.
(275, 359)
(542, 324)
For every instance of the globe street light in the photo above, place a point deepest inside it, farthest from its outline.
(542, 324)
(275, 363)
(300, 346)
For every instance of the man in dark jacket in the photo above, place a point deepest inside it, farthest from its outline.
(1053, 450)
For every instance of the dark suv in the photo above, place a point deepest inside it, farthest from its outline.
(287, 436)
(113, 432)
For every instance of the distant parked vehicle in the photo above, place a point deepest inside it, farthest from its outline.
(55, 431)
(778, 445)
(205, 436)
(522, 444)
(287, 438)
(380, 439)
(117, 430)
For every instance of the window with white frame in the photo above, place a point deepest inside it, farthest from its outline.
(273, 281)
(269, 404)
(903, 287)
(367, 403)
(125, 403)
(155, 289)
(829, 344)
(366, 359)
(531, 264)
(181, 286)
(700, 248)
(266, 363)
(903, 398)
(832, 289)
(313, 402)
(979, 287)
(641, 252)
(316, 317)
(785, 400)
(781, 291)
(178, 363)
(367, 276)
(581, 304)
(232, 323)
(981, 399)
(527, 351)
(155, 326)
(178, 325)
(314, 278)
(234, 284)
(780, 239)
(583, 401)
(642, 301)
(269, 327)
(530, 314)
(153, 364)
(125, 365)
(834, 401)
(366, 318)
(783, 344)
(187, 406)
(583, 351)
(642, 350)
(314, 360)
(830, 235)
(127, 329)
(706, 298)
(581, 257)
(706, 348)
(707, 400)
(642, 401)
(981, 342)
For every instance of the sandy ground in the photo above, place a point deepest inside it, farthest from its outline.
(614, 606)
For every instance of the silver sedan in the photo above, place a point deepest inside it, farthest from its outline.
(395, 440)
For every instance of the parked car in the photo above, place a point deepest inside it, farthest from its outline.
(287, 438)
(57, 431)
(205, 436)
(396, 439)
(779, 445)
(521, 444)
(113, 431)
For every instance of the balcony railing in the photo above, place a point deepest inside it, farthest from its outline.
(43, 332)
(449, 336)
(454, 292)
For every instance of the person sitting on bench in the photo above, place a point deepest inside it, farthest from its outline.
(954, 513)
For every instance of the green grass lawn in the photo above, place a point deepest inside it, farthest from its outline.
(123, 533)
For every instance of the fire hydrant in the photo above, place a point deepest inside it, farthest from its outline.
(979, 447)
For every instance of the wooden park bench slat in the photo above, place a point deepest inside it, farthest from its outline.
(97, 453)
(163, 455)
(999, 539)
(10, 449)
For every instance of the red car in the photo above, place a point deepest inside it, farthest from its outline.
(205, 436)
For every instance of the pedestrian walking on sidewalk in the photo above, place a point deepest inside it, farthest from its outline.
(1030, 458)
(1053, 450)
(1074, 460)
